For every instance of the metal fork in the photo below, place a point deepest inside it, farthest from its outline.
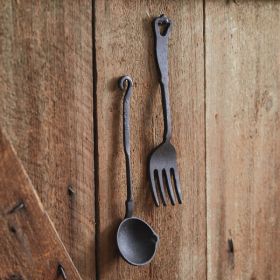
(162, 161)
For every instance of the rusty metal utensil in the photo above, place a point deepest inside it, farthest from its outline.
(162, 161)
(137, 241)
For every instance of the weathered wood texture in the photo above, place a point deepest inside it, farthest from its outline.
(243, 131)
(124, 45)
(46, 108)
(30, 245)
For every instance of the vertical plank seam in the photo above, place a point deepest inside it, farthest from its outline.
(95, 143)
(205, 138)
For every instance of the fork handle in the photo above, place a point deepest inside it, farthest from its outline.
(161, 49)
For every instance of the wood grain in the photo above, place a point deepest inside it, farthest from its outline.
(46, 108)
(30, 245)
(124, 45)
(243, 130)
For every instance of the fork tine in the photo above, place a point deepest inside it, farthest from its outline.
(161, 188)
(177, 184)
(169, 187)
(152, 183)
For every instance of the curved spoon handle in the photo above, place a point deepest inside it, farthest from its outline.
(125, 83)
(161, 49)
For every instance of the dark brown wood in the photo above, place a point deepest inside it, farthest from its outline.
(242, 132)
(124, 45)
(30, 246)
(46, 108)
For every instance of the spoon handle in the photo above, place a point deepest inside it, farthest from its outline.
(125, 83)
(162, 27)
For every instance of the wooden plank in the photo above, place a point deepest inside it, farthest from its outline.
(46, 108)
(243, 130)
(30, 245)
(124, 45)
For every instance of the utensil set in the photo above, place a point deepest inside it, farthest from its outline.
(136, 240)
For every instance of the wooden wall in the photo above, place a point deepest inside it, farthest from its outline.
(46, 109)
(242, 58)
(61, 109)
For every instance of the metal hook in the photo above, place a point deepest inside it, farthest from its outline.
(17, 207)
(61, 271)
(125, 82)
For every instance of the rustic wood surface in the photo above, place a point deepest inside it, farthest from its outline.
(225, 126)
(30, 245)
(124, 45)
(46, 108)
(243, 147)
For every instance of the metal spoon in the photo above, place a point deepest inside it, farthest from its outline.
(137, 241)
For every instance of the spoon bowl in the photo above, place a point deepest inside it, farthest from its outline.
(137, 242)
